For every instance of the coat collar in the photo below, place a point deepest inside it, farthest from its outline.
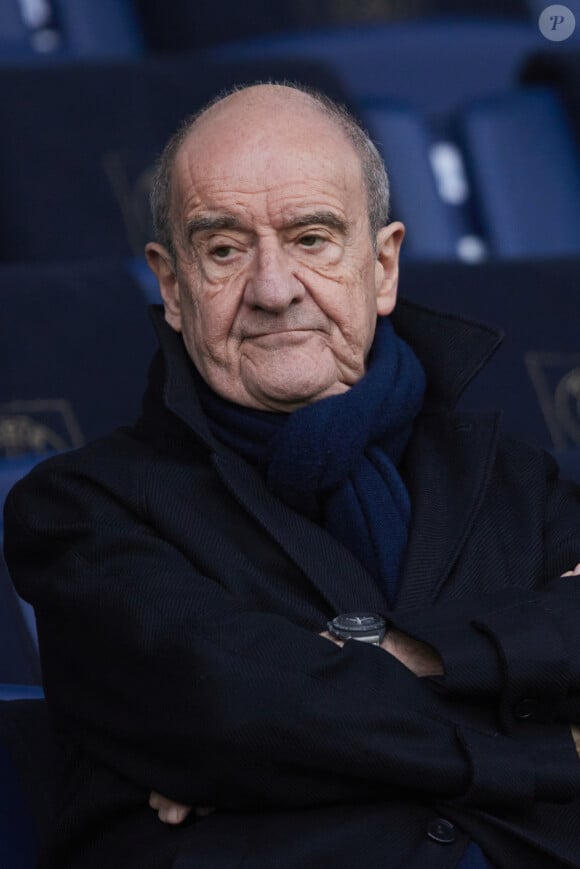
(446, 468)
(452, 350)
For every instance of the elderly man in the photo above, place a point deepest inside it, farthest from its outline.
(299, 481)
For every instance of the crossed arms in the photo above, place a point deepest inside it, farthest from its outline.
(162, 674)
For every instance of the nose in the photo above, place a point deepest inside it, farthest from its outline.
(271, 284)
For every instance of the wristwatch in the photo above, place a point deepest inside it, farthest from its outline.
(365, 627)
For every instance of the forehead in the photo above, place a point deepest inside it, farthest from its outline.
(271, 149)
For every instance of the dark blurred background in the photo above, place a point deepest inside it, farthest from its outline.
(475, 107)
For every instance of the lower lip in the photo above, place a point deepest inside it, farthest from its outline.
(292, 336)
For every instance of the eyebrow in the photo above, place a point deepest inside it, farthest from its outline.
(323, 218)
(206, 223)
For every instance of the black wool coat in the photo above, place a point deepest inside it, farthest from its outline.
(179, 605)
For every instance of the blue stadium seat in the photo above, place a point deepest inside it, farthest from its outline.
(558, 67)
(14, 691)
(525, 168)
(435, 65)
(77, 150)
(68, 30)
(29, 770)
(569, 461)
(534, 378)
(434, 227)
(19, 662)
(18, 636)
(19, 841)
(139, 269)
(75, 344)
(433, 68)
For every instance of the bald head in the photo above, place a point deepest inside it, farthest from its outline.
(255, 99)
(255, 113)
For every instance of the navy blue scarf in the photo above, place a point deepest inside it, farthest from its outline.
(335, 460)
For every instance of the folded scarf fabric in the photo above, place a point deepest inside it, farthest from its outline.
(335, 460)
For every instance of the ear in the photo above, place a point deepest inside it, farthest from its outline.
(161, 264)
(389, 240)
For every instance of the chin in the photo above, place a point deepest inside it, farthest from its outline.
(291, 396)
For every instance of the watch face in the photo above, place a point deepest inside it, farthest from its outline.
(359, 623)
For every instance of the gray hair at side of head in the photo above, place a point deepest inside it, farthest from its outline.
(374, 172)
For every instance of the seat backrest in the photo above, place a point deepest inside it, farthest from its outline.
(435, 65)
(558, 68)
(75, 345)
(534, 378)
(78, 147)
(525, 167)
(19, 662)
(68, 30)
(30, 767)
(19, 841)
(18, 636)
(435, 226)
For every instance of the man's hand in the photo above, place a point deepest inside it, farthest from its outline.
(168, 811)
(418, 657)
(574, 572)
(171, 812)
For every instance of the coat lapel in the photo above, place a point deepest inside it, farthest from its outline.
(332, 569)
(446, 469)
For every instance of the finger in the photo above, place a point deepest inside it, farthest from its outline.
(574, 572)
(155, 800)
(174, 813)
(169, 811)
(576, 736)
(158, 801)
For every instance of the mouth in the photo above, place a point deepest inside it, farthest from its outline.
(282, 336)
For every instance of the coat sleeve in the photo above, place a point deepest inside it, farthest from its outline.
(519, 646)
(159, 673)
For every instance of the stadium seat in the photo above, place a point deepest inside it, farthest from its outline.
(78, 147)
(180, 25)
(434, 227)
(432, 68)
(19, 662)
(558, 69)
(569, 461)
(18, 636)
(68, 30)
(534, 378)
(434, 65)
(138, 267)
(525, 170)
(29, 769)
(19, 841)
(75, 343)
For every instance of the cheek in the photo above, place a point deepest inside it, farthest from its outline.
(346, 296)
(212, 312)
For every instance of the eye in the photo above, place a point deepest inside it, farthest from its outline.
(311, 240)
(223, 251)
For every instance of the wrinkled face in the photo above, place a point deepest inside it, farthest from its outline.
(277, 285)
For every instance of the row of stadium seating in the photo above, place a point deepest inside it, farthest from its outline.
(502, 181)
(47, 30)
(490, 171)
